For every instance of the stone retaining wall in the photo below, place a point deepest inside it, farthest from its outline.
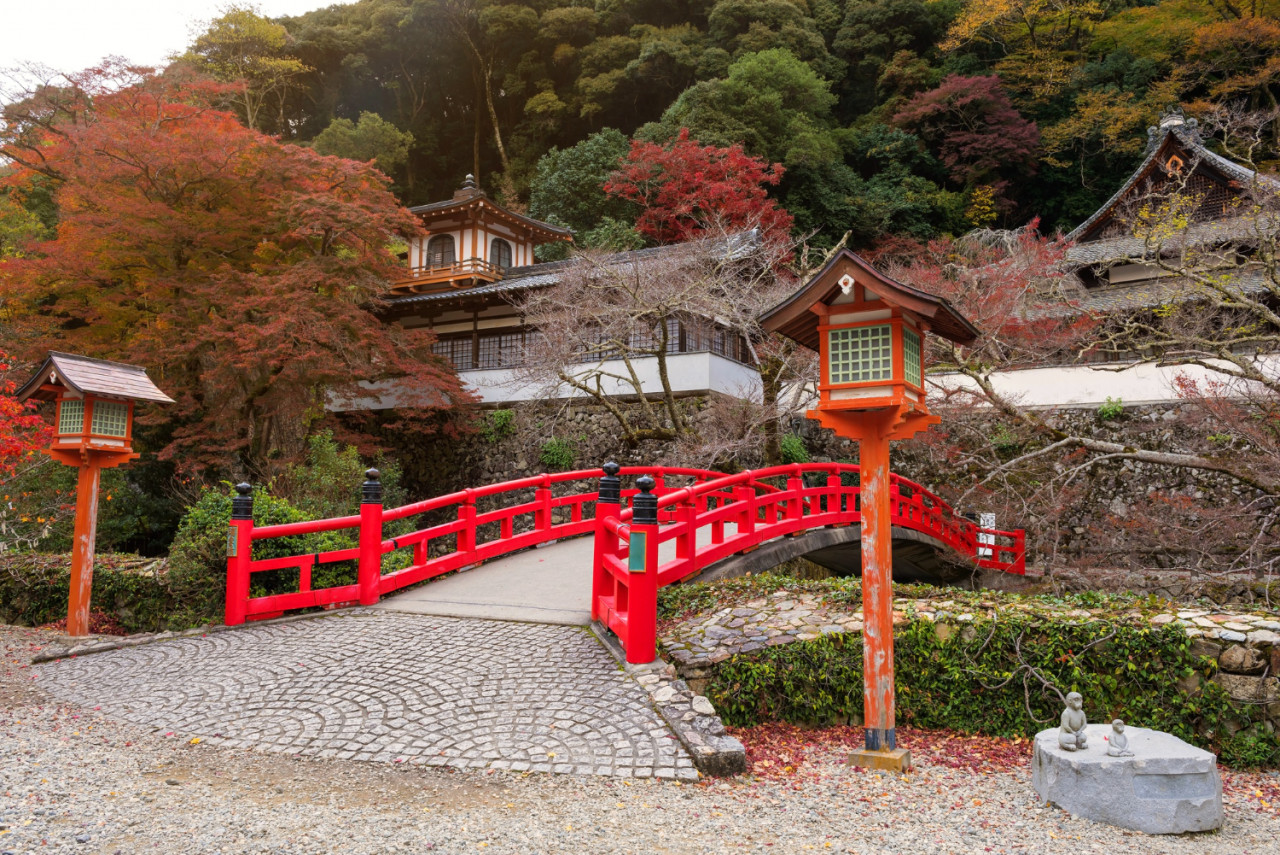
(1244, 645)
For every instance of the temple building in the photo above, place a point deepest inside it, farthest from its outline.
(1115, 266)
(1114, 270)
(463, 281)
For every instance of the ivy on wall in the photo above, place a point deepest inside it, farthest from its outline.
(1003, 678)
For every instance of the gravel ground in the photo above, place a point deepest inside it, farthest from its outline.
(73, 780)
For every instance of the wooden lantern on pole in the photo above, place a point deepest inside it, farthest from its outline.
(94, 431)
(869, 332)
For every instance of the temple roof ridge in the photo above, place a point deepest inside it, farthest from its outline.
(1173, 129)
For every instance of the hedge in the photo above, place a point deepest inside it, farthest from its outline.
(994, 676)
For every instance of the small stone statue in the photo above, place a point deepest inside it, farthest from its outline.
(1118, 743)
(1071, 735)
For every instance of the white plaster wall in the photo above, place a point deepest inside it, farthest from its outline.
(1091, 386)
(688, 372)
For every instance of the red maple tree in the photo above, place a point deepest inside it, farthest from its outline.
(687, 190)
(244, 273)
(22, 432)
(975, 129)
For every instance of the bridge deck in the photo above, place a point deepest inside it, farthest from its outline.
(552, 584)
(547, 585)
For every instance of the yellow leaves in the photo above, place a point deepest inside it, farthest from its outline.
(1021, 20)
(196, 741)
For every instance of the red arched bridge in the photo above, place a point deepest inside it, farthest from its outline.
(711, 518)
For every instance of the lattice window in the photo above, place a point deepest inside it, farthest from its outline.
(911, 358)
(456, 350)
(860, 354)
(440, 251)
(500, 253)
(501, 350)
(71, 417)
(110, 418)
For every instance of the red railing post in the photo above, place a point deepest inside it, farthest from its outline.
(642, 584)
(795, 505)
(542, 495)
(833, 494)
(369, 573)
(686, 515)
(239, 554)
(746, 497)
(466, 540)
(608, 506)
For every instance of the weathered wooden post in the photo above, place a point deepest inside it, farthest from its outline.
(94, 420)
(369, 571)
(869, 333)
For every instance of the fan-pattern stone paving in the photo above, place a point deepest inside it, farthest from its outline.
(391, 687)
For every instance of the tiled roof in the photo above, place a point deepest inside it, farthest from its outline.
(1125, 248)
(94, 377)
(1185, 133)
(531, 276)
(1156, 292)
(469, 193)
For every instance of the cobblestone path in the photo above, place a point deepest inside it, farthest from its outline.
(393, 688)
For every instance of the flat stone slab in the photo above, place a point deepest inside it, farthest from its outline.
(1167, 787)
(394, 688)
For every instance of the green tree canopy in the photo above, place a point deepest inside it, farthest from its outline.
(371, 138)
(568, 184)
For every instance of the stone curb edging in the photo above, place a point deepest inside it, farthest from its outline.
(690, 716)
(152, 637)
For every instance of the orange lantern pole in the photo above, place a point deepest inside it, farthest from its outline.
(82, 547)
(869, 333)
(94, 423)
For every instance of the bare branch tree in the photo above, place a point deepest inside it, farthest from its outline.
(609, 330)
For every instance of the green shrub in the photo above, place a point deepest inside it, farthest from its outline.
(39, 512)
(198, 558)
(1112, 409)
(986, 678)
(34, 588)
(328, 484)
(499, 425)
(558, 454)
(792, 449)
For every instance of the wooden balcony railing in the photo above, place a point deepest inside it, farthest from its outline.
(468, 268)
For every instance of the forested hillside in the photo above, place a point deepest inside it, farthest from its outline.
(889, 116)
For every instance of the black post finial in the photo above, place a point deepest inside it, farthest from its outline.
(242, 502)
(644, 507)
(371, 489)
(611, 485)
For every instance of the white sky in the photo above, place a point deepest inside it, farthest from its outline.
(69, 35)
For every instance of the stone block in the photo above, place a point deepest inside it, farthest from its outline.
(1200, 647)
(1167, 787)
(1264, 690)
(887, 760)
(1238, 659)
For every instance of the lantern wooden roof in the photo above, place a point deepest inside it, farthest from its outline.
(87, 376)
(794, 319)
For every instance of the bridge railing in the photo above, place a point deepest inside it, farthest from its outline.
(457, 530)
(714, 519)
(708, 515)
